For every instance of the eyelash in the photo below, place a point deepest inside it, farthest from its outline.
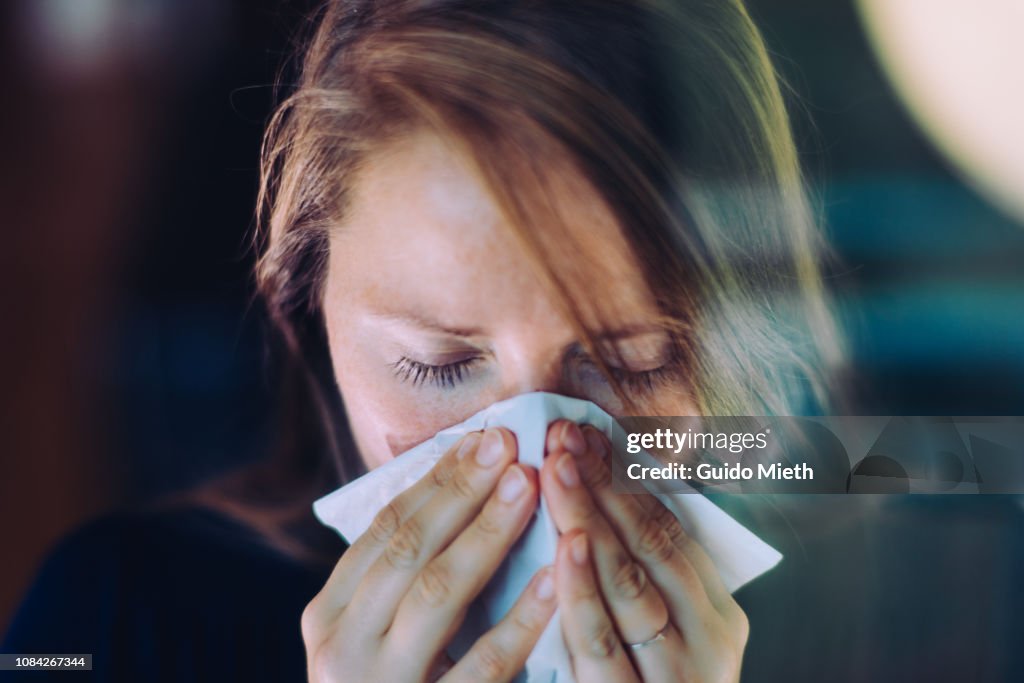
(643, 382)
(449, 375)
(442, 376)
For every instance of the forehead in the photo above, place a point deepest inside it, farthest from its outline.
(418, 207)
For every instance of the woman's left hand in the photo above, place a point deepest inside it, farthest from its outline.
(639, 599)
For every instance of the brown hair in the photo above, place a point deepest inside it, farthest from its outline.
(671, 110)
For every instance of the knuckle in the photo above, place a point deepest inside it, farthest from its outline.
(721, 642)
(440, 475)
(676, 534)
(488, 524)
(689, 578)
(629, 580)
(433, 585)
(654, 542)
(661, 514)
(668, 522)
(490, 661)
(726, 669)
(602, 641)
(679, 537)
(325, 664)
(385, 523)
(526, 621)
(404, 547)
(584, 591)
(741, 623)
(587, 514)
(595, 473)
(685, 544)
(460, 485)
(310, 620)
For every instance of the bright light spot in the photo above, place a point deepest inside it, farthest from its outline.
(959, 67)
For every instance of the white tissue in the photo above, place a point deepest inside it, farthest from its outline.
(738, 554)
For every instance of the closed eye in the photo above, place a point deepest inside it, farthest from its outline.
(633, 381)
(444, 376)
(644, 381)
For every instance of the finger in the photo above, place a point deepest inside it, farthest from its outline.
(433, 608)
(679, 573)
(358, 558)
(705, 617)
(441, 665)
(648, 527)
(684, 575)
(663, 658)
(429, 529)
(590, 636)
(636, 608)
(662, 518)
(501, 653)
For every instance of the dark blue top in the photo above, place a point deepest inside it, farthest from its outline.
(172, 596)
(900, 588)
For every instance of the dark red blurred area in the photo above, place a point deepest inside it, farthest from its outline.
(133, 356)
(131, 138)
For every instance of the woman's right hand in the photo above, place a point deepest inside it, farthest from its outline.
(398, 595)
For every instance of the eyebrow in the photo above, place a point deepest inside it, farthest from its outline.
(411, 318)
(415, 319)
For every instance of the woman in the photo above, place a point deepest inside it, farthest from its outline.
(467, 200)
(481, 199)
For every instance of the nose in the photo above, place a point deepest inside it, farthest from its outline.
(546, 376)
(534, 370)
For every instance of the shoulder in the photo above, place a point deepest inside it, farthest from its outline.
(185, 590)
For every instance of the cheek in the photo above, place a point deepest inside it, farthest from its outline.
(383, 423)
(387, 416)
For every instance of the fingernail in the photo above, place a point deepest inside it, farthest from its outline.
(512, 485)
(572, 439)
(566, 469)
(469, 442)
(578, 549)
(594, 442)
(546, 585)
(491, 448)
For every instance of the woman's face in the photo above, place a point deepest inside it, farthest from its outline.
(434, 310)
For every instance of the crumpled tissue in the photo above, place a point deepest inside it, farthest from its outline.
(738, 554)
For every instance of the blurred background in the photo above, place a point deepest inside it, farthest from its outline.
(132, 355)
